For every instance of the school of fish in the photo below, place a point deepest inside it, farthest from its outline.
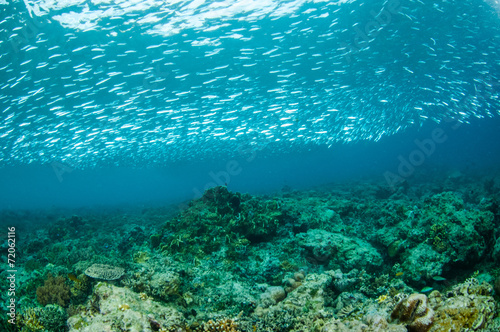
(140, 82)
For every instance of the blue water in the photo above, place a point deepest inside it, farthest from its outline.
(150, 103)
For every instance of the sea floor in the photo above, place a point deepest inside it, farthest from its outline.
(354, 256)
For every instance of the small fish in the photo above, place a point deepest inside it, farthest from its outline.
(438, 278)
(73, 277)
(399, 274)
(382, 298)
(426, 289)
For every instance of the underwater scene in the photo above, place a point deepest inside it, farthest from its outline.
(250, 165)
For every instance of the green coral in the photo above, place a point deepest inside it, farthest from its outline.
(80, 289)
(30, 321)
(438, 237)
(221, 218)
(51, 318)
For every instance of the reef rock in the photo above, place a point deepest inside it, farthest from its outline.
(423, 262)
(339, 251)
(120, 309)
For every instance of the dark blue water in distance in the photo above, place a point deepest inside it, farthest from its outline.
(102, 104)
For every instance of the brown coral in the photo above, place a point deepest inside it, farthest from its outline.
(415, 312)
(54, 290)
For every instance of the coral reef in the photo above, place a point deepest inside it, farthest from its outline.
(326, 260)
(221, 217)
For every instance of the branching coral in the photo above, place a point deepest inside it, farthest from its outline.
(51, 318)
(30, 321)
(225, 325)
(54, 290)
(415, 312)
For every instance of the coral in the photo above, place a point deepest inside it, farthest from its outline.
(272, 295)
(160, 285)
(81, 288)
(224, 325)
(469, 305)
(293, 283)
(54, 290)
(456, 231)
(472, 286)
(50, 318)
(464, 312)
(30, 321)
(141, 257)
(293, 262)
(163, 285)
(344, 281)
(375, 323)
(438, 236)
(33, 265)
(415, 312)
(222, 218)
(105, 272)
(221, 325)
(444, 203)
(53, 318)
(311, 295)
